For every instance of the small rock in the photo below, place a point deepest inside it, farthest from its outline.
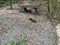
(31, 42)
(17, 37)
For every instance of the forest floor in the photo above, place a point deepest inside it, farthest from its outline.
(14, 25)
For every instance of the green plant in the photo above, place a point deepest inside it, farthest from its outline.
(5, 43)
(12, 43)
(53, 9)
(22, 42)
(6, 2)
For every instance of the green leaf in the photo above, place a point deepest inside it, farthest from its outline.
(5, 43)
(25, 37)
(12, 43)
(22, 42)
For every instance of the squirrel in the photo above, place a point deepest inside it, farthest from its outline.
(34, 21)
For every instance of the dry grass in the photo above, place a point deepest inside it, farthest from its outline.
(53, 10)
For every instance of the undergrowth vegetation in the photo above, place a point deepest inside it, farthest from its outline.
(5, 2)
(53, 9)
(22, 42)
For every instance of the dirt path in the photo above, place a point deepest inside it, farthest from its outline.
(14, 25)
(58, 33)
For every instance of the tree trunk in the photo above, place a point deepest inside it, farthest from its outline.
(11, 5)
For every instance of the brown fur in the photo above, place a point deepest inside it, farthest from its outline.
(32, 20)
